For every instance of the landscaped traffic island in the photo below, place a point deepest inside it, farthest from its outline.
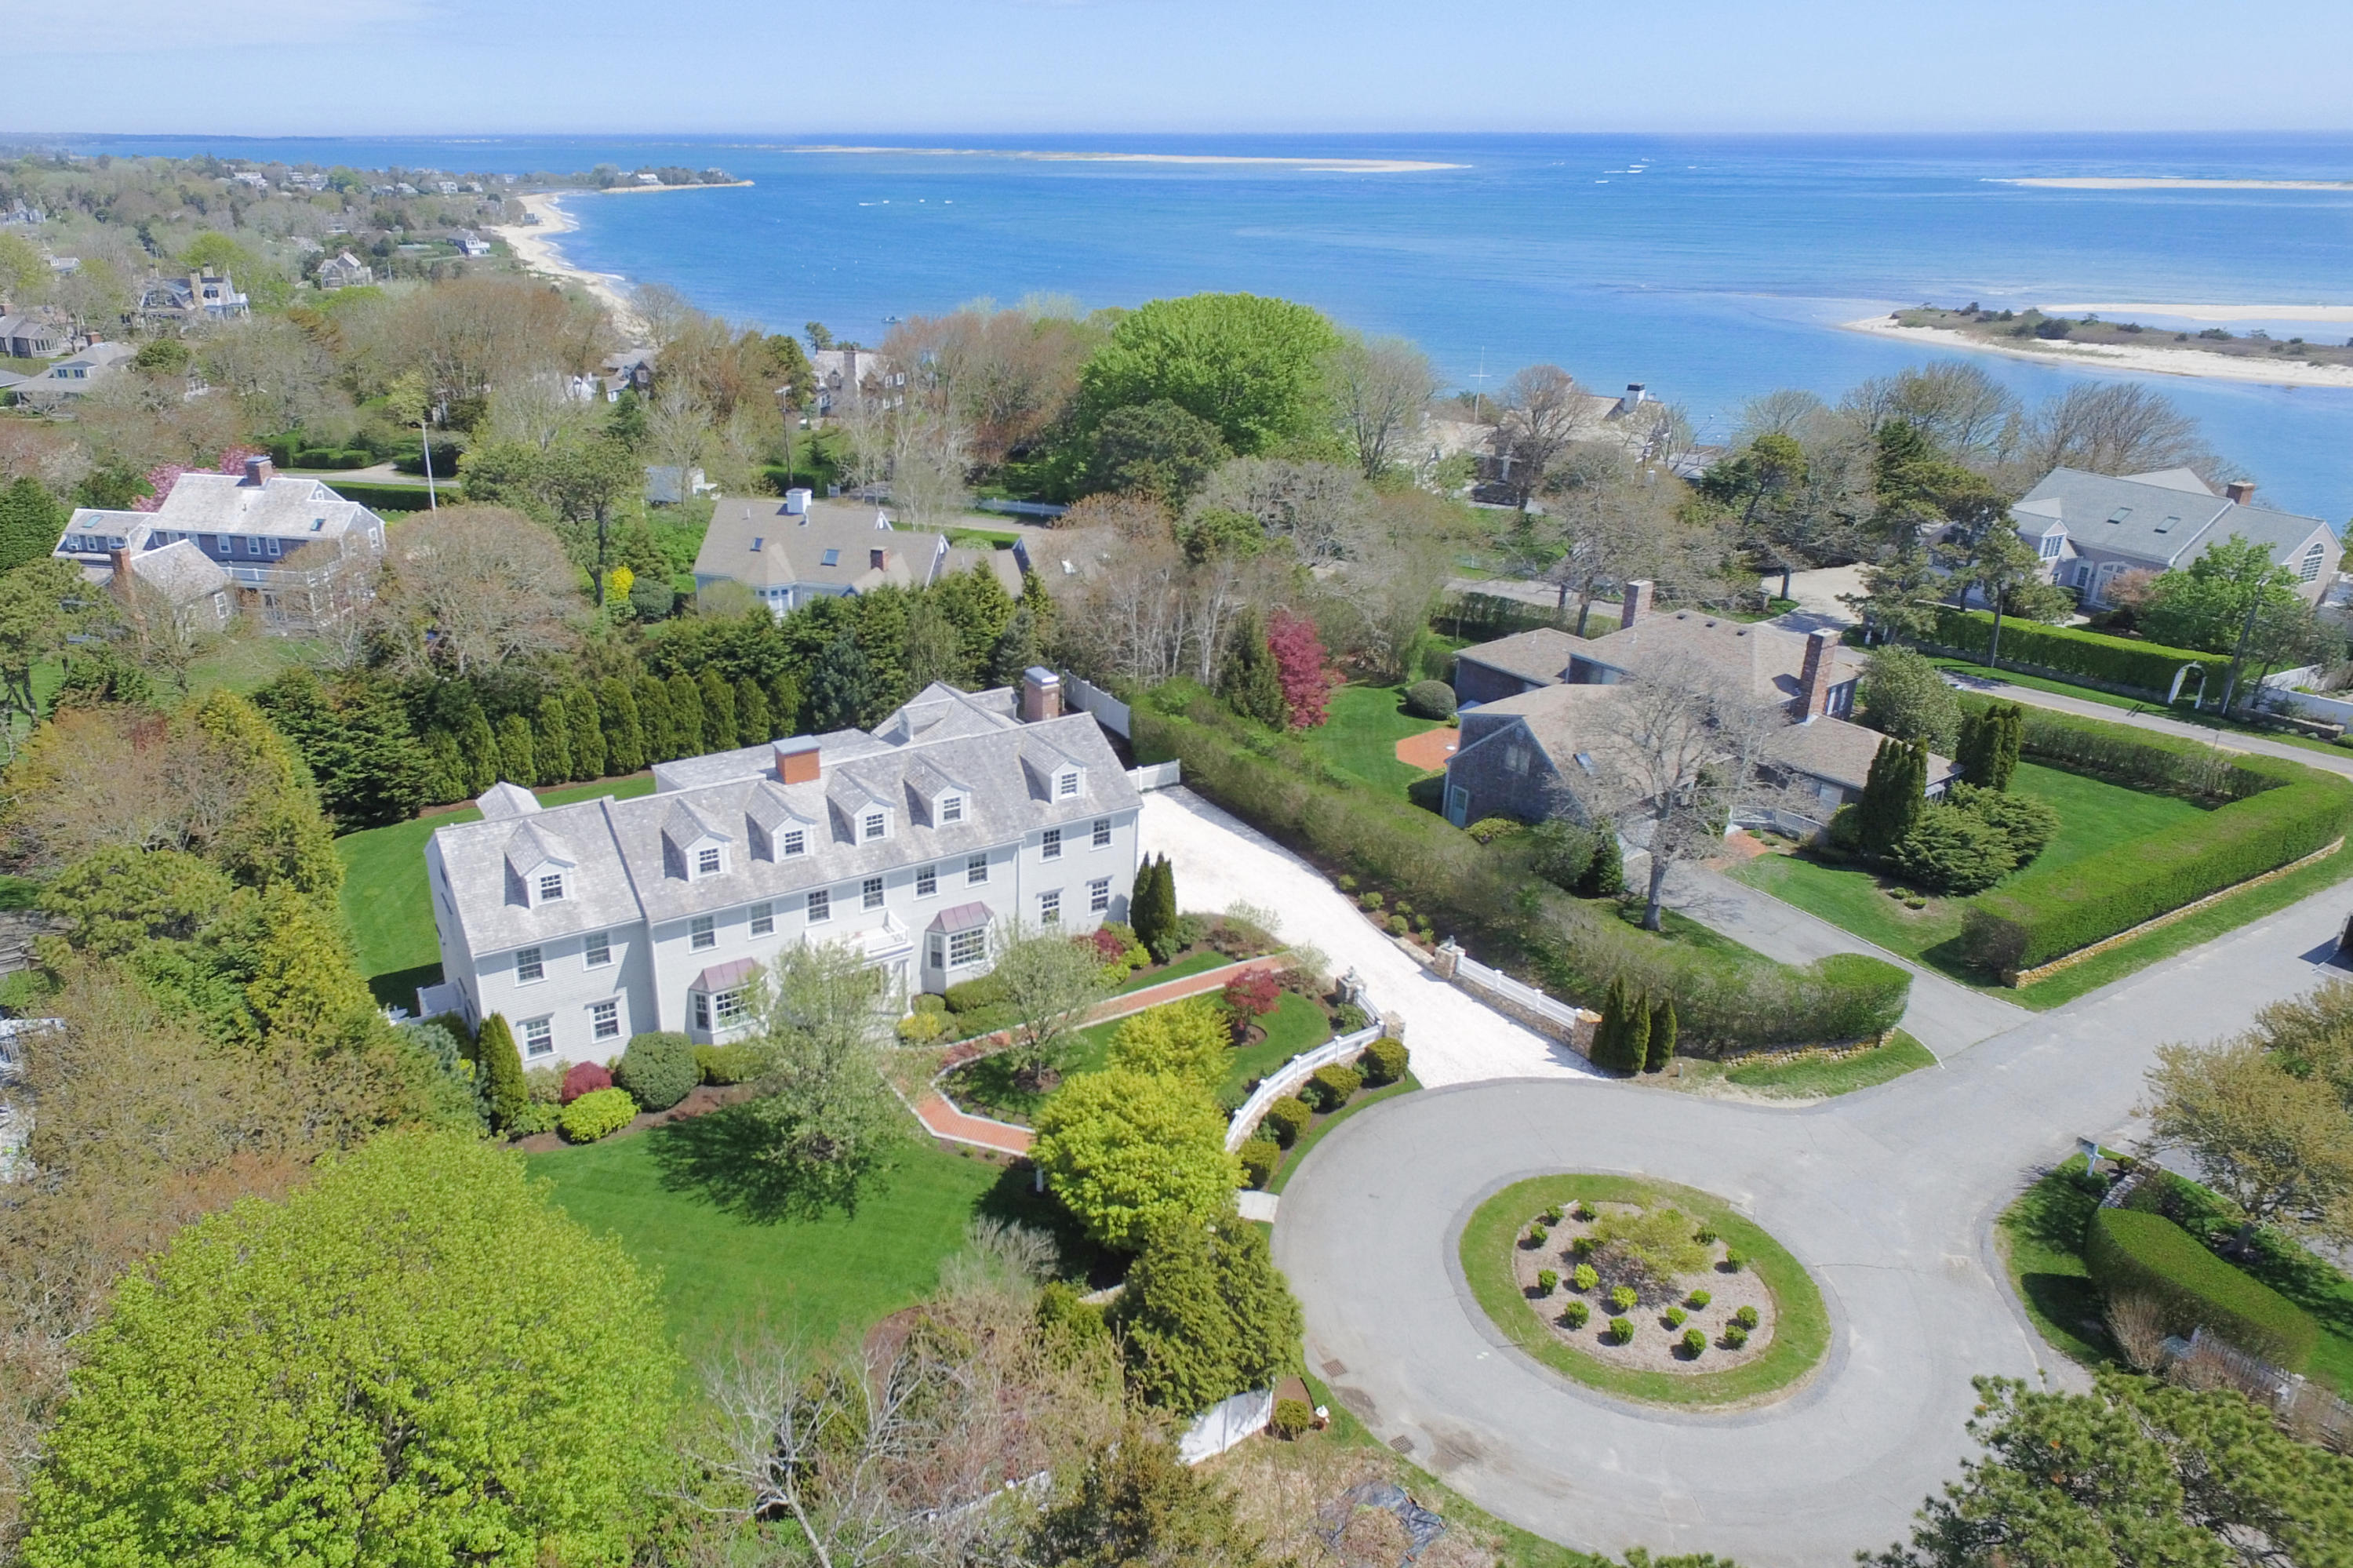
(1644, 1289)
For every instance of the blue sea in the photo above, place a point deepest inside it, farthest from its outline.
(1710, 268)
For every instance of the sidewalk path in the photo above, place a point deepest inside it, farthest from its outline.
(1943, 1015)
(1221, 860)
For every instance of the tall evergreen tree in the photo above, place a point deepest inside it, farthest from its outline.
(1152, 907)
(1891, 796)
(479, 748)
(502, 1066)
(751, 712)
(517, 763)
(1607, 1050)
(1250, 682)
(587, 738)
(1663, 1035)
(841, 687)
(686, 717)
(784, 706)
(1015, 649)
(718, 710)
(551, 742)
(1634, 1033)
(625, 736)
(444, 769)
(31, 521)
(2011, 736)
(654, 720)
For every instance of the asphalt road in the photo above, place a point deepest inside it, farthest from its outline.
(1887, 1196)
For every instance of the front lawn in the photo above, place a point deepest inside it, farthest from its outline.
(988, 1086)
(820, 1280)
(389, 907)
(1359, 739)
(2095, 818)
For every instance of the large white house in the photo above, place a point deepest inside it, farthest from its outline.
(960, 815)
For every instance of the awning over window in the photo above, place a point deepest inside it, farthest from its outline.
(963, 917)
(724, 977)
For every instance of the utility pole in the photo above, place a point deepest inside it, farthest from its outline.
(1479, 391)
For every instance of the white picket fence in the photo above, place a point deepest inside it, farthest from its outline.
(1156, 775)
(1469, 971)
(1290, 1075)
(1109, 711)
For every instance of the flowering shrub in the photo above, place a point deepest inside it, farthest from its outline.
(1299, 663)
(596, 1115)
(584, 1078)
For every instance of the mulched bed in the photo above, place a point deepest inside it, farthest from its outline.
(702, 1101)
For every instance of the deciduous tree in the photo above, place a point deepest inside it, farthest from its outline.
(1125, 1152)
(470, 588)
(829, 1125)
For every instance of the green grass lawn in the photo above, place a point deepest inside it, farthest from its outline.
(2095, 818)
(987, 1087)
(390, 908)
(1359, 739)
(2181, 710)
(725, 1269)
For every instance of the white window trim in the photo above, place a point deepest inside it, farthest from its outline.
(538, 1037)
(927, 882)
(536, 959)
(820, 906)
(596, 1022)
(701, 934)
(1102, 833)
(589, 948)
(1049, 845)
(873, 891)
(764, 919)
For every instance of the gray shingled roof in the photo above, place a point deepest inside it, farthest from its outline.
(757, 543)
(623, 872)
(1766, 660)
(180, 572)
(1542, 654)
(2167, 518)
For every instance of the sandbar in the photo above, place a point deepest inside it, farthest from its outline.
(2114, 183)
(2181, 361)
(2210, 312)
(1305, 165)
(535, 245)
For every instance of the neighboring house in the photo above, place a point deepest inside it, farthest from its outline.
(178, 579)
(668, 485)
(843, 372)
(2091, 528)
(791, 551)
(468, 242)
(959, 818)
(631, 370)
(294, 552)
(345, 271)
(1065, 557)
(205, 296)
(73, 377)
(1540, 750)
(37, 335)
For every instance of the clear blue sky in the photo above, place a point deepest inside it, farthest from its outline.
(323, 67)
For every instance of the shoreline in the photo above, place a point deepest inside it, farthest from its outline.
(2196, 364)
(535, 245)
(1305, 165)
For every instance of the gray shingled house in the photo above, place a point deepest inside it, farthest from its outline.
(2091, 528)
(798, 549)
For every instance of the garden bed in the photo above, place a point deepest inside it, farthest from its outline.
(1793, 1325)
(1720, 1299)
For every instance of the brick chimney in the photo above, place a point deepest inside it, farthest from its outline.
(796, 761)
(1636, 603)
(2241, 490)
(258, 471)
(1041, 695)
(1814, 676)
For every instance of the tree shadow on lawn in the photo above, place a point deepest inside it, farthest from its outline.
(721, 1158)
(2069, 1300)
(398, 987)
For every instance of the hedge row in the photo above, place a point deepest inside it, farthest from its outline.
(2136, 759)
(2132, 1254)
(2114, 661)
(2278, 811)
(1723, 1003)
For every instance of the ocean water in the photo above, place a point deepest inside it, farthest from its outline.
(1712, 269)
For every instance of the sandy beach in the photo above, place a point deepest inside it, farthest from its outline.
(535, 245)
(2210, 312)
(2147, 361)
(1305, 165)
(2103, 182)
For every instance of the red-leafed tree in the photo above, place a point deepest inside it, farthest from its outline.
(1252, 995)
(1300, 663)
(584, 1078)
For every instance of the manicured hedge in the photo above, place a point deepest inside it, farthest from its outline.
(2276, 811)
(1723, 1001)
(2132, 1254)
(2111, 661)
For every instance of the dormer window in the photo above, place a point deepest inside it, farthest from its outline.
(1066, 785)
(706, 862)
(951, 808)
(795, 842)
(550, 887)
(873, 825)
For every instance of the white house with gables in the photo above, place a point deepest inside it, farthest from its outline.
(961, 815)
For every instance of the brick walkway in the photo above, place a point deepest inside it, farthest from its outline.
(943, 1119)
(1431, 750)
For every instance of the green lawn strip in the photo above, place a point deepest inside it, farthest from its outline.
(723, 1272)
(2041, 1237)
(1322, 1124)
(1183, 969)
(390, 908)
(2216, 920)
(2135, 704)
(1811, 1074)
(987, 1087)
(1359, 737)
(1517, 1548)
(1801, 1328)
